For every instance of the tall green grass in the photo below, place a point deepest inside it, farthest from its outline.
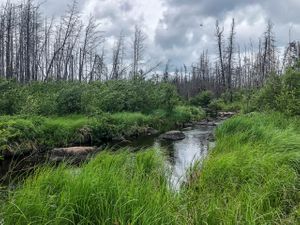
(252, 176)
(121, 188)
(22, 134)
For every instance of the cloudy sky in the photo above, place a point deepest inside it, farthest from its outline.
(174, 27)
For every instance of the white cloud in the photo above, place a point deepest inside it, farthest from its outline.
(173, 26)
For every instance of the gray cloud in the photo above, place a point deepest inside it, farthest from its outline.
(173, 26)
(179, 30)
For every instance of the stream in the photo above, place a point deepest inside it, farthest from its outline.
(181, 155)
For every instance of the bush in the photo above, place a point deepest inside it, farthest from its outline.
(17, 135)
(61, 98)
(203, 99)
(27, 133)
(215, 106)
(289, 100)
(168, 97)
(69, 101)
(10, 99)
(280, 94)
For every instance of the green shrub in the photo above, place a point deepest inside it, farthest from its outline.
(280, 94)
(61, 98)
(10, 98)
(69, 101)
(215, 106)
(129, 95)
(18, 135)
(168, 97)
(289, 100)
(203, 99)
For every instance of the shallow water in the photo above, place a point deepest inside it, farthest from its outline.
(180, 154)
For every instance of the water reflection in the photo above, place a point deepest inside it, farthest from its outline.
(181, 154)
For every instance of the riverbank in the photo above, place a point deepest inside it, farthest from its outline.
(252, 176)
(27, 134)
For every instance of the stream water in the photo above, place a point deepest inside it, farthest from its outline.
(180, 154)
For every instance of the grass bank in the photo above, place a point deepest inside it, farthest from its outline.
(23, 134)
(251, 177)
(253, 174)
(112, 189)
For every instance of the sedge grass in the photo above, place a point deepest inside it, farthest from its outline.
(251, 177)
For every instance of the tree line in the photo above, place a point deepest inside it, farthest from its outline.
(37, 48)
(235, 67)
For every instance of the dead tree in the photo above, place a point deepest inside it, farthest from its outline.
(67, 28)
(117, 60)
(91, 41)
(230, 59)
(8, 41)
(269, 55)
(219, 35)
(138, 50)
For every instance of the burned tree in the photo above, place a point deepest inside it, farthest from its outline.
(230, 59)
(219, 35)
(138, 50)
(117, 60)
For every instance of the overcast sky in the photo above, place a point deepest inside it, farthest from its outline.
(173, 26)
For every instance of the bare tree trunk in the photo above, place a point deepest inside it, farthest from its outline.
(230, 59)
(219, 35)
(138, 51)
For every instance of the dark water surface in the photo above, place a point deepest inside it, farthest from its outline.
(180, 154)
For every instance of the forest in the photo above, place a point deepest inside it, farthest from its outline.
(63, 94)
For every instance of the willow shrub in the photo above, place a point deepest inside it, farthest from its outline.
(64, 98)
(279, 94)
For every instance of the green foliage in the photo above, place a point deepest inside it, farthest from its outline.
(279, 94)
(214, 105)
(69, 100)
(17, 135)
(105, 126)
(252, 176)
(62, 98)
(203, 99)
(169, 97)
(165, 121)
(121, 188)
(10, 100)
(21, 134)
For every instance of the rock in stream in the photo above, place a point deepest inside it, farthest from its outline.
(174, 135)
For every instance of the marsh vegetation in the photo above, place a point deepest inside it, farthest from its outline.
(59, 90)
